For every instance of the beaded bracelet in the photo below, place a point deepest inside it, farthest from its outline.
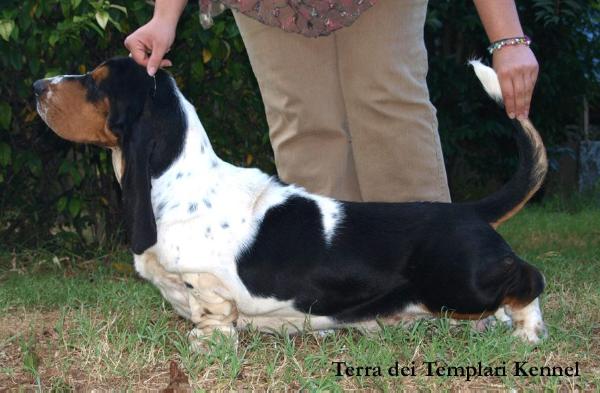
(496, 45)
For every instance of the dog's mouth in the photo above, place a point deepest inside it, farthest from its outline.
(41, 108)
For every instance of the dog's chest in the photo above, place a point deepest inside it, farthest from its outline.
(201, 222)
(205, 221)
(185, 250)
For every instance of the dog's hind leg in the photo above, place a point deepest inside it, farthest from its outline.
(523, 305)
(528, 322)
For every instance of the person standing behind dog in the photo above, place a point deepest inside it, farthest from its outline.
(349, 113)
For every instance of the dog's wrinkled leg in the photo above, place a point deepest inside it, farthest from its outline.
(211, 310)
(170, 285)
(528, 322)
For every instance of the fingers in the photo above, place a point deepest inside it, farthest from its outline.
(528, 92)
(156, 58)
(138, 51)
(524, 83)
(519, 91)
(517, 70)
(147, 52)
(508, 94)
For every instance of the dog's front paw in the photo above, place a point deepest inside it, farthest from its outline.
(200, 339)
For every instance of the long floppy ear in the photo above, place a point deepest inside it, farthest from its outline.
(147, 117)
(138, 146)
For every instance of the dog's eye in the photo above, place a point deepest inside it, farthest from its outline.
(88, 81)
(91, 87)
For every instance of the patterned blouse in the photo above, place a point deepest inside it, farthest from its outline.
(311, 18)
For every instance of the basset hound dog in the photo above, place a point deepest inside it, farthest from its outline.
(231, 247)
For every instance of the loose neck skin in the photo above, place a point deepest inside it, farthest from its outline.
(197, 153)
(199, 183)
(192, 181)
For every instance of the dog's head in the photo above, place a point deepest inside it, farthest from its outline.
(118, 105)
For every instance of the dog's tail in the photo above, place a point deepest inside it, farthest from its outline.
(533, 164)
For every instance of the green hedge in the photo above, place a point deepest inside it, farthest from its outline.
(55, 194)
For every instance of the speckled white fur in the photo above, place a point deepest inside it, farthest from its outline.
(207, 211)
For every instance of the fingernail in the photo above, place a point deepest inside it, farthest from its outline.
(511, 115)
(151, 70)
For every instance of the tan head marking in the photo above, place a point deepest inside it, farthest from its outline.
(69, 111)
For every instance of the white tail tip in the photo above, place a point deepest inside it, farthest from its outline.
(488, 78)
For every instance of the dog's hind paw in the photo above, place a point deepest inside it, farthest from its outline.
(533, 335)
(499, 316)
(483, 324)
(527, 336)
(529, 323)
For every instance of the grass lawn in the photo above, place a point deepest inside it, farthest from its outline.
(67, 323)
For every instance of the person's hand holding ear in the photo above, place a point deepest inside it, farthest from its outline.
(149, 44)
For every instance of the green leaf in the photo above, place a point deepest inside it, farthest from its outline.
(5, 154)
(75, 175)
(6, 28)
(64, 167)
(34, 66)
(5, 115)
(94, 27)
(102, 18)
(35, 165)
(53, 39)
(74, 206)
(198, 70)
(65, 7)
(120, 8)
(61, 205)
(116, 24)
(75, 3)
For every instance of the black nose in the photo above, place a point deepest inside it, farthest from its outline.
(40, 87)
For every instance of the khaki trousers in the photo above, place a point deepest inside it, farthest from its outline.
(349, 114)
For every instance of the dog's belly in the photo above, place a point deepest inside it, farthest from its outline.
(290, 325)
(274, 322)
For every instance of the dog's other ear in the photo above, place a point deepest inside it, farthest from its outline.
(136, 185)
